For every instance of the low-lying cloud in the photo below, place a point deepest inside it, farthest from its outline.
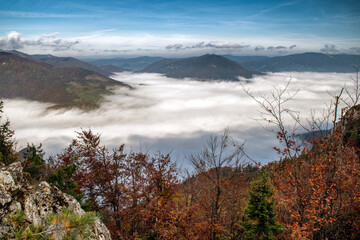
(172, 115)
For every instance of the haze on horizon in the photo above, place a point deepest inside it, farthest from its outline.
(179, 28)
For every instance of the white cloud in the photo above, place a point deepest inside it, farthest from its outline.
(259, 48)
(212, 44)
(198, 45)
(50, 35)
(39, 14)
(175, 46)
(14, 41)
(355, 50)
(329, 49)
(216, 44)
(172, 115)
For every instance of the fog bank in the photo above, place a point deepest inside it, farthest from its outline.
(172, 115)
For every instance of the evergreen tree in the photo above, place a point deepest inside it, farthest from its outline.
(7, 152)
(34, 162)
(261, 223)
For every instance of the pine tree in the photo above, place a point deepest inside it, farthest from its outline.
(34, 162)
(7, 152)
(261, 223)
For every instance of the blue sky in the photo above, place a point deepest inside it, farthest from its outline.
(179, 28)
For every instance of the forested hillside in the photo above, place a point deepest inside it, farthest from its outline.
(65, 87)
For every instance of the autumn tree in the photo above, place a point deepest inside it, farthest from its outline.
(136, 193)
(317, 183)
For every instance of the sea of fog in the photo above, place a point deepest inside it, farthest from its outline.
(171, 115)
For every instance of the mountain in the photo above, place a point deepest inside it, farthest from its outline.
(65, 87)
(70, 62)
(128, 64)
(242, 59)
(113, 68)
(208, 66)
(306, 62)
(62, 62)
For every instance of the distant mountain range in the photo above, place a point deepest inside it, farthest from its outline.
(24, 77)
(127, 64)
(305, 62)
(206, 67)
(67, 81)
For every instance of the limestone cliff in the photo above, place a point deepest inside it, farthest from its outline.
(37, 201)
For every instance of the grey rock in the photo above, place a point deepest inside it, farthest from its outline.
(37, 201)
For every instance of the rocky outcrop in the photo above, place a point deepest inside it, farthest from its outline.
(37, 201)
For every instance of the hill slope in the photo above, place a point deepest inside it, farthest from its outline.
(128, 64)
(25, 78)
(306, 62)
(60, 62)
(242, 59)
(70, 62)
(208, 66)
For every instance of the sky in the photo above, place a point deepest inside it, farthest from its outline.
(89, 28)
(177, 116)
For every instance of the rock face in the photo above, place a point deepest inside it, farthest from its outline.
(37, 201)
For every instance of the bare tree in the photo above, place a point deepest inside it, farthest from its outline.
(353, 93)
(217, 167)
(274, 110)
(219, 152)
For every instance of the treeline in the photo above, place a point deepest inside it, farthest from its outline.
(313, 192)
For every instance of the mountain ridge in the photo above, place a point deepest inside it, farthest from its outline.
(128, 64)
(39, 81)
(60, 62)
(205, 67)
(306, 62)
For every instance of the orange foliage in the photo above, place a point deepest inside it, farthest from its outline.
(318, 192)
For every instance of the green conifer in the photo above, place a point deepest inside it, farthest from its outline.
(260, 221)
(7, 152)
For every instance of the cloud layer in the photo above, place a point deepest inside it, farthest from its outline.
(172, 115)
